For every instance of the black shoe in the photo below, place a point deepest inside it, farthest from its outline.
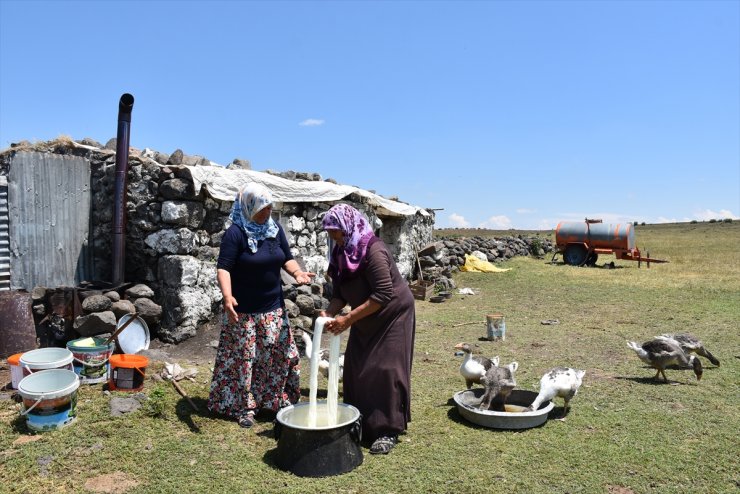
(383, 445)
(246, 421)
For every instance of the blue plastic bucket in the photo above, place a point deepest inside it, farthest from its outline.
(46, 359)
(49, 398)
(91, 359)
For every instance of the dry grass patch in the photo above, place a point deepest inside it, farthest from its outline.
(114, 483)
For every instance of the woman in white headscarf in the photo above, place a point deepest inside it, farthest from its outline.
(257, 360)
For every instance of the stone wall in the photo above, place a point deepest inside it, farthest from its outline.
(440, 259)
(174, 232)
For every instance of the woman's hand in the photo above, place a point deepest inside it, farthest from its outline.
(224, 282)
(303, 278)
(294, 270)
(229, 304)
(338, 325)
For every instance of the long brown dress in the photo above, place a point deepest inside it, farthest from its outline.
(377, 360)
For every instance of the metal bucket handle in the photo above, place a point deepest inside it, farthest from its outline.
(355, 431)
(28, 410)
(137, 369)
(91, 365)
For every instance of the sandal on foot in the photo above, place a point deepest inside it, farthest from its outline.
(383, 445)
(246, 421)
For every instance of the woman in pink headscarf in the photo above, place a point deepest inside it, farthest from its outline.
(377, 360)
(257, 360)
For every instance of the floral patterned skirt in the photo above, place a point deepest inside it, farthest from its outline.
(257, 365)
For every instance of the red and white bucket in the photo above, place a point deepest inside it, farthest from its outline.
(16, 372)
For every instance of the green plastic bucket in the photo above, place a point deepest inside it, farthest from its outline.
(49, 398)
(91, 357)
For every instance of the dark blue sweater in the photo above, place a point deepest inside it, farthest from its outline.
(255, 277)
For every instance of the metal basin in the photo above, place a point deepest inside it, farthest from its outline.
(467, 404)
(320, 451)
(135, 337)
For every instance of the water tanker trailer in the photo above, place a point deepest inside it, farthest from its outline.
(581, 243)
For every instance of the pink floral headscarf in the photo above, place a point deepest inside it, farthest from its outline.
(357, 233)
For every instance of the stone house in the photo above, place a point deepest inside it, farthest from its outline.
(59, 201)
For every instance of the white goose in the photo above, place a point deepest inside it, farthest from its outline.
(323, 357)
(560, 381)
(473, 369)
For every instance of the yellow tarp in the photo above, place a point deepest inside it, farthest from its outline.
(475, 265)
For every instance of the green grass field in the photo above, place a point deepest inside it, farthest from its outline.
(625, 433)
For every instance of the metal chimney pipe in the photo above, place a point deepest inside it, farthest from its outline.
(125, 105)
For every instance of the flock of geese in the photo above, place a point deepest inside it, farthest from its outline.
(664, 351)
(661, 352)
(498, 381)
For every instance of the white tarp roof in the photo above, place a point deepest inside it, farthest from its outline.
(223, 184)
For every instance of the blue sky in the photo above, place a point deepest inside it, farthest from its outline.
(503, 114)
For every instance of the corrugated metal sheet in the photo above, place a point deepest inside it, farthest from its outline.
(4, 236)
(49, 211)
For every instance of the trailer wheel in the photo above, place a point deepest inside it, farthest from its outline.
(592, 258)
(575, 255)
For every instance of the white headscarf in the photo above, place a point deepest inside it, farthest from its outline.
(250, 200)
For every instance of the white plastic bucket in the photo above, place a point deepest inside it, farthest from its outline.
(46, 359)
(49, 398)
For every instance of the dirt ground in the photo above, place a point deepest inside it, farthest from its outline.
(201, 349)
(4, 376)
(198, 350)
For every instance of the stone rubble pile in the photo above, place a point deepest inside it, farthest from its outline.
(98, 313)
